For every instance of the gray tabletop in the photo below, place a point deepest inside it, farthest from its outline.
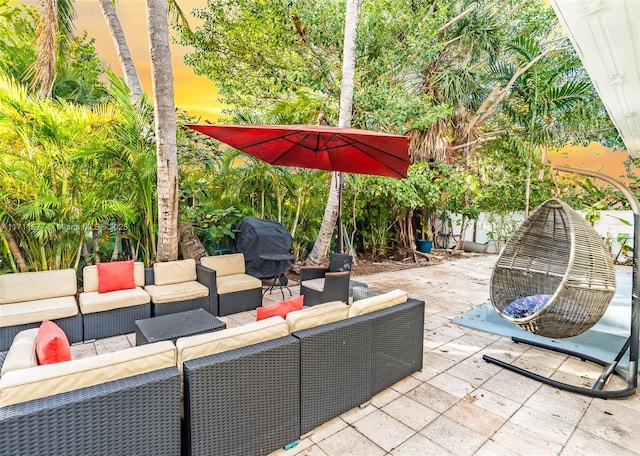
(175, 325)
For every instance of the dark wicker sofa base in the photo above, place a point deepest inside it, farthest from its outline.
(345, 363)
(335, 370)
(114, 322)
(243, 402)
(239, 301)
(179, 306)
(72, 327)
(138, 416)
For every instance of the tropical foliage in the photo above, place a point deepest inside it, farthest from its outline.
(483, 87)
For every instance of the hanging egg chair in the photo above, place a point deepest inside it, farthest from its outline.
(555, 276)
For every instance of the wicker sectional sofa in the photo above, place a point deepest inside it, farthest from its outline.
(178, 286)
(247, 390)
(28, 298)
(126, 402)
(115, 312)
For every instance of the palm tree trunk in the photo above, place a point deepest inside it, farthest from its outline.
(116, 243)
(122, 50)
(320, 247)
(190, 244)
(47, 47)
(333, 209)
(14, 248)
(165, 124)
(95, 236)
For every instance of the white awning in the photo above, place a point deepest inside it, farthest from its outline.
(606, 36)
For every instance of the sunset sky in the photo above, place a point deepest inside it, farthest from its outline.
(196, 94)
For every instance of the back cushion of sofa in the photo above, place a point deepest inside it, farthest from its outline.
(90, 276)
(42, 381)
(225, 265)
(22, 353)
(174, 272)
(228, 339)
(31, 286)
(379, 302)
(320, 314)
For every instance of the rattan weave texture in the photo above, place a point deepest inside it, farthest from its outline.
(243, 402)
(167, 308)
(134, 416)
(395, 354)
(335, 369)
(555, 252)
(114, 322)
(239, 301)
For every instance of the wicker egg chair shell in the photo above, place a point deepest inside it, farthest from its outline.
(555, 252)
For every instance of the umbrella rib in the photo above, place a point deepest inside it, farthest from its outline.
(382, 151)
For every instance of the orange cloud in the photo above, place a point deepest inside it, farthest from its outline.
(196, 94)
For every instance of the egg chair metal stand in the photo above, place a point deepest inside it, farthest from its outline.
(555, 265)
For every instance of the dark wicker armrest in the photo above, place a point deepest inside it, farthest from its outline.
(149, 277)
(312, 272)
(336, 286)
(207, 277)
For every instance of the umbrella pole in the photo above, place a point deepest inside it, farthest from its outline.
(340, 235)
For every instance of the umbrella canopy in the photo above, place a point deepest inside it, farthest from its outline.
(318, 147)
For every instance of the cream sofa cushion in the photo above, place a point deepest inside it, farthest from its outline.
(22, 313)
(174, 272)
(237, 282)
(200, 345)
(379, 302)
(33, 286)
(93, 301)
(176, 292)
(22, 353)
(314, 284)
(42, 381)
(90, 276)
(321, 314)
(225, 265)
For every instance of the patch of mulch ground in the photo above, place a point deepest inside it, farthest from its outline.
(366, 265)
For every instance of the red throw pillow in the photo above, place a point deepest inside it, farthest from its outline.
(117, 275)
(52, 345)
(281, 308)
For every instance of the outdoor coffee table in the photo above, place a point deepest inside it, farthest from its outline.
(175, 325)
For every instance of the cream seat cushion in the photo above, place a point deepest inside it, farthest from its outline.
(22, 353)
(28, 384)
(379, 302)
(321, 314)
(237, 282)
(183, 291)
(21, 313)
(93, 301)
(200, 345)
(314, 284)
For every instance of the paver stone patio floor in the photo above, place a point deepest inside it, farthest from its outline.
(459, 404)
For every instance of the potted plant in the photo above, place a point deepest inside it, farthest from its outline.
(425, 243)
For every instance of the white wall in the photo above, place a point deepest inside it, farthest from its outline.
(491, 226)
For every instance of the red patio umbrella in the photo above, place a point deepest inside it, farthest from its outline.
(318, 147)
